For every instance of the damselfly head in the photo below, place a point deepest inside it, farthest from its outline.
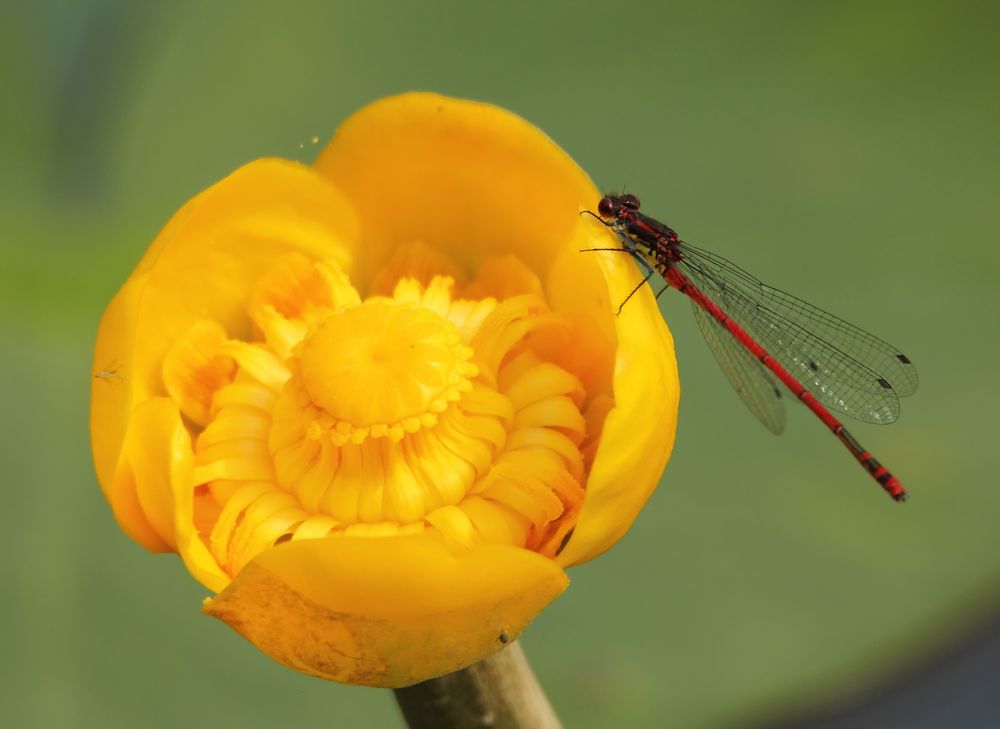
(612, 206)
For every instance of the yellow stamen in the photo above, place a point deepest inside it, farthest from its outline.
(195, 367)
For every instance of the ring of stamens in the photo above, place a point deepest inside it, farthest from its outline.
(396, 415)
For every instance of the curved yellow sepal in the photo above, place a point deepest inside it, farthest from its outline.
(385, 612)
(114, 388)
(153, 495)
(472, 178)
(638, 433)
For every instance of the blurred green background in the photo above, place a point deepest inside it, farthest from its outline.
(847, 152)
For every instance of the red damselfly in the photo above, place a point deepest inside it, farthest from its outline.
(762, 336)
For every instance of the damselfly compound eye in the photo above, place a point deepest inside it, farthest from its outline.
(607, 207)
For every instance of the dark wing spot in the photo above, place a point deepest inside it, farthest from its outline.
(903, 358)
(813, 366)
(777, 392)
(885, 383)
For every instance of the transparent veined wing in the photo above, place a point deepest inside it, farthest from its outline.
(755, 385)
(833, 359)
(877, 354)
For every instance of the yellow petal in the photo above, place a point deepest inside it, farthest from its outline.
(157, 450)
(193, 369)
(204, 265)
(386, 612)
(123, 496)
(455, 526)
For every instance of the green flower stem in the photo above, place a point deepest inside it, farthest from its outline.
(500, 692)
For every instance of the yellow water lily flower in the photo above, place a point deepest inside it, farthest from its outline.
(377, 405)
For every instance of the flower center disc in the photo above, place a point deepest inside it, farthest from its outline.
(382, 363)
